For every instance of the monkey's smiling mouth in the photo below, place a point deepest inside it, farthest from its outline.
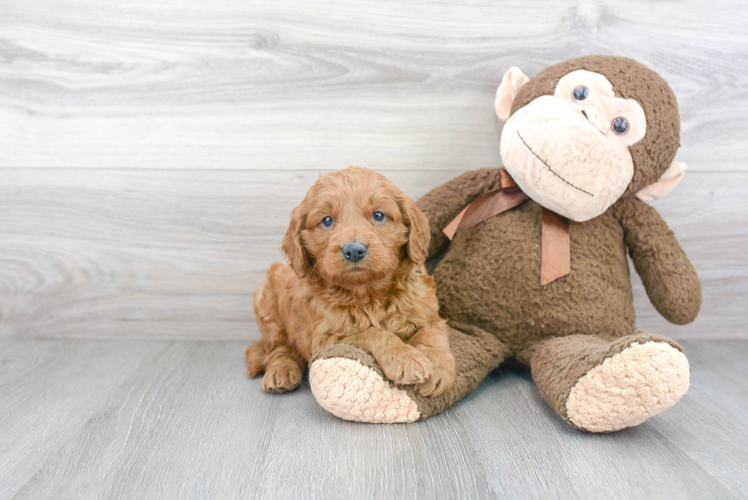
(550, 169)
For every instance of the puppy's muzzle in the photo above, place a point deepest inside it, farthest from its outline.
(354, 251)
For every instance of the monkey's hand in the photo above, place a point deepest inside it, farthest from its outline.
(445, 202)
(668, 276)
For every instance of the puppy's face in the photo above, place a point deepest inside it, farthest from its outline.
(354, 227)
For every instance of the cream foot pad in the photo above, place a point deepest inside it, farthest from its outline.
(628, 388)
(353, 391)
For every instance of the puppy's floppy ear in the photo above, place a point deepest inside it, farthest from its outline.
(293, 246)
(419, 235)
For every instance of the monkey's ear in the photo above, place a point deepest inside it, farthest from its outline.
(672, 176)
(513, 80)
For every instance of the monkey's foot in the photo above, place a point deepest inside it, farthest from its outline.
(626, 389)
(348, 383)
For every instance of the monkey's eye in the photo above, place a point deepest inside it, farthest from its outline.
(327, 221)
(619, 125)
(580, 93)
(378, 216)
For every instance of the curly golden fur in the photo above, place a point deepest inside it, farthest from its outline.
(385, 303)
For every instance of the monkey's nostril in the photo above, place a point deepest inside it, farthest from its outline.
(354, 251)
(595, 118)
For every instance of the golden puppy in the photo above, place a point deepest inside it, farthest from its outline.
(356, 247)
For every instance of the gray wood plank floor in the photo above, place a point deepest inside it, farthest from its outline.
(178, 419)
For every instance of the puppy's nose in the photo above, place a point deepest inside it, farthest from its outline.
(354, 251)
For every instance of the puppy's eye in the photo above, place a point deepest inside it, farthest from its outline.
(327, 221)
(619, 125)
(580, 93)
(378, 216)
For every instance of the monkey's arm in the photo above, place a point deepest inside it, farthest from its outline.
(668, 276)
(443, 203)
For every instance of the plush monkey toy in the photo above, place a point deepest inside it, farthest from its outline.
(546, 281)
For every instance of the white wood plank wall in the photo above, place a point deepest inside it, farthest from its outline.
(150, 152)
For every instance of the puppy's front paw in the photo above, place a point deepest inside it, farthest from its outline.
(281, 377)
(405, 365)
(441, 380)
(445, 371)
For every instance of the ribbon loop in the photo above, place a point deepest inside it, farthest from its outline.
(556, 243)
(508, 196)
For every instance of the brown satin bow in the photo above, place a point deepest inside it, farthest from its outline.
(556, 245)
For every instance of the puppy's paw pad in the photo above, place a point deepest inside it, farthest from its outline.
(352, 391)
(628, 388)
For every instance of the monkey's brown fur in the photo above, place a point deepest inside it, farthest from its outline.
(488, 279)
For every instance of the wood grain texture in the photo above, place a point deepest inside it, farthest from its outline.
(48, 390)
(552, 460)
(263, 85)
(188, 424)
(100, 253)
(177, 254)
(719, 420)
(150, 153)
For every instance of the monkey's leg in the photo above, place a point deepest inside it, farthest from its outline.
(348, 383)
(598, 385)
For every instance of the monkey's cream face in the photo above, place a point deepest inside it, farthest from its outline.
(569, 151)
